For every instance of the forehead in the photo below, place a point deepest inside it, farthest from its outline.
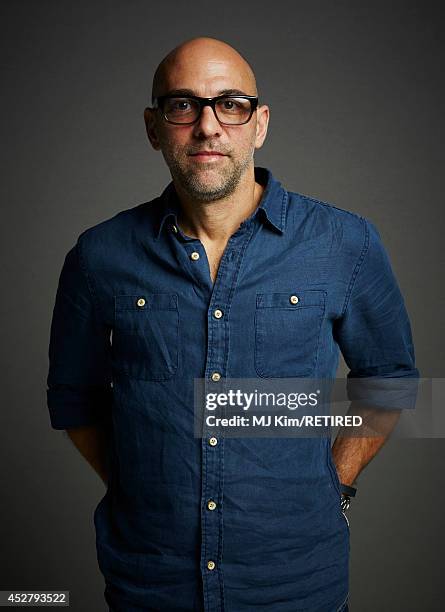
(207, 76)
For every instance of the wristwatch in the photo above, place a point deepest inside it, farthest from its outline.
(346, 493)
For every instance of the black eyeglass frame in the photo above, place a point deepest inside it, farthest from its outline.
(159, 100)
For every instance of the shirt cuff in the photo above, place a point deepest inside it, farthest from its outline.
(390, 392)
(72, 407)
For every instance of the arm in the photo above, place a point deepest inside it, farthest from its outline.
(352, 454)
(92, 442)
(374, 336)
(79, 394)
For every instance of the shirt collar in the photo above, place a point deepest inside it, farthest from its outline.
(273, 203)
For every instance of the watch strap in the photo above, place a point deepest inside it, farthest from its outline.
(348, 490)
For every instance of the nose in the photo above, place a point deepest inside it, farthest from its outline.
(207, 124)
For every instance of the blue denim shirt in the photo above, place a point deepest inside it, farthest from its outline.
(134, 325)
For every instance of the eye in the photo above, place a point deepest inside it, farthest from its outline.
(229, 104)
(179, 105)
(233, 106)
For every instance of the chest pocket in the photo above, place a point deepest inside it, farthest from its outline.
(145, 341)
(287, 332)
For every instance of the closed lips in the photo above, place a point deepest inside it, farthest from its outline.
(207, 153)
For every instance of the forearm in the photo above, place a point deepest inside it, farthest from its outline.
(92, 442)
(352, 454)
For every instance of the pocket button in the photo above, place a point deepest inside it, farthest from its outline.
(294, 299)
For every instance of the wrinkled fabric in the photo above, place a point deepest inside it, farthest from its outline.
(133, 325)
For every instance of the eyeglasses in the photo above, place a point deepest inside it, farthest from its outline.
(228, 109)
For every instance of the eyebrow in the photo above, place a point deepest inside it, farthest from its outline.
(190, 92)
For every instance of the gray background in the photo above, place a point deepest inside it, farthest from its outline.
(356, 104)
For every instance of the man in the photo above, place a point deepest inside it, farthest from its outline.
(226, 274)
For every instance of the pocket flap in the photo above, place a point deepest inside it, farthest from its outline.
(306, 297)
(151, 301)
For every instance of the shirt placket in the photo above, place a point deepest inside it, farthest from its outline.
(212, 468)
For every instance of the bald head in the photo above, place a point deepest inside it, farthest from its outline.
(199, 64)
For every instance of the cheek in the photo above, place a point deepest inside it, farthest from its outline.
(170, 148)
(249, 136)
(176, 144)
(243, 147)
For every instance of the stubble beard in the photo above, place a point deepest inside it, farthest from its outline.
(198, 189)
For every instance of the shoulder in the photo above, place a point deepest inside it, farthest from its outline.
(118, 229)
(329, 209)
(351, 229)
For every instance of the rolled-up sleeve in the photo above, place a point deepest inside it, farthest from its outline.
(374, 332)
(79, 389)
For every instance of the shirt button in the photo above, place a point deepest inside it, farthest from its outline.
(211, 505)
(217, 313)
(141, 302)
(293, 299)
(194, 255)
(211, 565)
(213, 441)
(216, 376)
(174, 229)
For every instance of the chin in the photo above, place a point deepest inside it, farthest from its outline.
(208, 176)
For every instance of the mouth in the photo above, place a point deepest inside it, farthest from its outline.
(207, 155)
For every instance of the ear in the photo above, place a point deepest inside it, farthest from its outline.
(262, 122)
(150, 127)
